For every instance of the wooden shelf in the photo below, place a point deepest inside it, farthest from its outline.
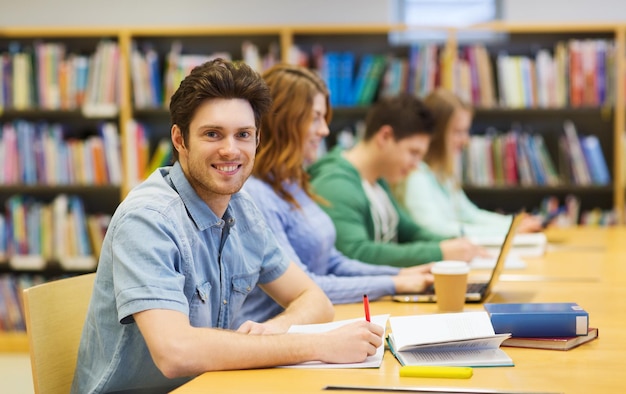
(538, 189)
(13, 342)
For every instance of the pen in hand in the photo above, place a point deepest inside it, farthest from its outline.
(366, 306)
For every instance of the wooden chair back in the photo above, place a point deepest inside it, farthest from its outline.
(55, 314)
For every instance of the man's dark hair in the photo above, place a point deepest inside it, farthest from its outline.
(218, 79)
(405, 113)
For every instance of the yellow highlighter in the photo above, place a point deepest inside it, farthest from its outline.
(436, 372)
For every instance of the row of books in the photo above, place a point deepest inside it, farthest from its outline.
(579, 73)
(567, 213)
(574, 73)
(153, 86)
(44, 154)
(512, 158)
(357, 81)
(521, 158)
(553, 326)
(34, 233)
(46, 76)
(11, 304)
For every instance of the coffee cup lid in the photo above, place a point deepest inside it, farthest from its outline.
(450, 267)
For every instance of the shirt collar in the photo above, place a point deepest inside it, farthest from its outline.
(198, 211)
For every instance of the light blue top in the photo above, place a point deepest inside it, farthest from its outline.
(166, 249)
(308, 237)
(445, 210)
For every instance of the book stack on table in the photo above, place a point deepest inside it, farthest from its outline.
(556, 326)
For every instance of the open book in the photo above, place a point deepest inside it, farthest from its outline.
(370, 362)
(452, 339)
(524, 245)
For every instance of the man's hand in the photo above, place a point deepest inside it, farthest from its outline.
(413, 279)
(530, 224)
(253, 328)
(461, 249)
(351, 343)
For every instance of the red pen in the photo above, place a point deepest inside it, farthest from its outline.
(366, 305)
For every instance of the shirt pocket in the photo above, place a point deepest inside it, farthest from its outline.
(200, 308)
(242, 286)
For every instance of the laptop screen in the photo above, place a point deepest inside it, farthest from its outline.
(504, 252)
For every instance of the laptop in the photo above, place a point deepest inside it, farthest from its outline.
(476, 291)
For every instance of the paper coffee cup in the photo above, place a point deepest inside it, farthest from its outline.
(450, 284)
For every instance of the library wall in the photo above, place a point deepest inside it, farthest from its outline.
(166, 12)
(535, 11)
(196, 12)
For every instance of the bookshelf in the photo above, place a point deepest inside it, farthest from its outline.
(52, 114)
(601, 118)
(277, 42)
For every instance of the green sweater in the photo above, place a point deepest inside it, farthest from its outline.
(337, 181)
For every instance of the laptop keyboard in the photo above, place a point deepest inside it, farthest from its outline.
(476, 287)
(471, 288)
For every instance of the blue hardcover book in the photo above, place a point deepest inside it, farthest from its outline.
(332, 60)
(531, 320)
(361, 78)
(346, 71)
(594, 157)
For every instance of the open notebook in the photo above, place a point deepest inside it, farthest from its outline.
(476, 291)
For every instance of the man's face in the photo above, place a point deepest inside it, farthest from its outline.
(219, 155)
(404, 156)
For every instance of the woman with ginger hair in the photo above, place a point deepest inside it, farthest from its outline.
(291, 134)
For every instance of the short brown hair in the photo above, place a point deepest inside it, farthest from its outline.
(218, 79)
(406, 114)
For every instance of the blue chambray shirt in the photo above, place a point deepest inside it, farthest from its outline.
(165, 249)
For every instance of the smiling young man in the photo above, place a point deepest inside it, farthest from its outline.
(370, 225)
(185, 248)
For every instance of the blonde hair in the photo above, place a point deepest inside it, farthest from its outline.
(280, 155)
(443, 104)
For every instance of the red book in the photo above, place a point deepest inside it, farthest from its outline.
(557, 343)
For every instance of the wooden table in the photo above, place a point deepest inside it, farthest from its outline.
(586, 265)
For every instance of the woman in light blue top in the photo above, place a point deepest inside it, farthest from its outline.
(432, 193)
(290, 138)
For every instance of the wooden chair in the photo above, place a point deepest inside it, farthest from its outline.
(54, 314)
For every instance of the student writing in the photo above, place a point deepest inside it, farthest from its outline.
(185, 247)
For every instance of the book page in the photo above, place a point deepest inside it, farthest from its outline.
(492, 342)
(415, 330)
(370, 362)
(468, 357)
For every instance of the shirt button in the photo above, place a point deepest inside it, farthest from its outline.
(248, 288)
(225, 302)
